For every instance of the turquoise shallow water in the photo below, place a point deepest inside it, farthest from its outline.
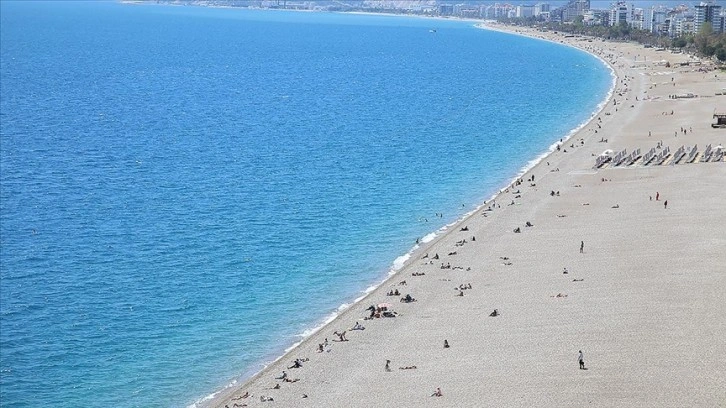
(184, 191)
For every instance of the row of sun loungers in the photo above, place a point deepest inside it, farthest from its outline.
(657, 158)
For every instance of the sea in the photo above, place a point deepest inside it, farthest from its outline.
(186, 192)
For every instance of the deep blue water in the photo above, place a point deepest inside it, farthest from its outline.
(184, 190)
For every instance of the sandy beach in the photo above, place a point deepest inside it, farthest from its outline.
(626, 263)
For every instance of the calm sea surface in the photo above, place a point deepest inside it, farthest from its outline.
(184, 191)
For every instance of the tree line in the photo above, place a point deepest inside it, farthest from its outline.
(705, 43)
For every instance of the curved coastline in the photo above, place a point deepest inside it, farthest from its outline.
(405, 262)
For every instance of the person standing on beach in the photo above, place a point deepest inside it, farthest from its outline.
(657, 196)
(582, 246)
(388, 366)
(665, 204)
(581, 360)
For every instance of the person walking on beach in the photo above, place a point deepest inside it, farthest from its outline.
(582, 247)
(581, 360)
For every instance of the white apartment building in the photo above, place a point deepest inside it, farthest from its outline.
(621, 13)
(525, 11)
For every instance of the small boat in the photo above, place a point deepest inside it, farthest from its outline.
(433, 30)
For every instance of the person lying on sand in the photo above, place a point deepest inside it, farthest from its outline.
(358, 326)
(243, 396)
(282, 376)
(407, 368)
(495, 313)
(437, 393)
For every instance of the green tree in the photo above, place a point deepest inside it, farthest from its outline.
(703, 38)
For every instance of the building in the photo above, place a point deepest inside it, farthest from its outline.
(525, 11)
(541, 8)
(595, 17)
(446, 10)
(648, 19)
(496, 11)
(466, 11)
(660, 22)
(620, 13)
(684, 26)
(720, 24)
(706, 13)
(575, 8)
(638, 17)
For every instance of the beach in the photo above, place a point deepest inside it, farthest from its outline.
(625, 263)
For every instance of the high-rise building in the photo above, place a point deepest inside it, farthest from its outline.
(574, 8)
(620, 13)
(525, 11)
(706, 12)
(540, 8)
(648, 19)
(719, 24)
(637, 20)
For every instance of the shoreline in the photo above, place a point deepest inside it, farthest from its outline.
(631, 307)
(406, 260)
